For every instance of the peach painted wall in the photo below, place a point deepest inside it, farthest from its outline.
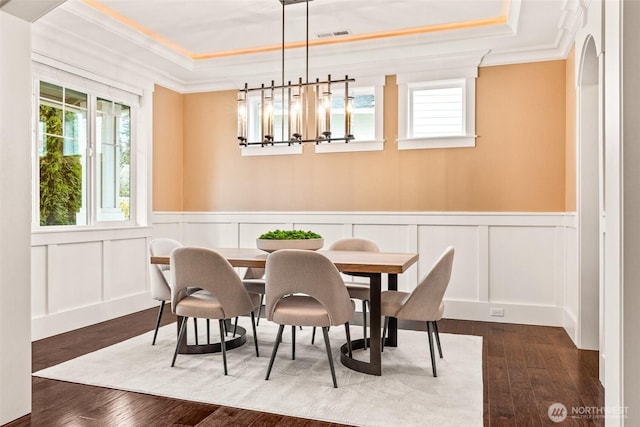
(570, 138)
(168, 129)
(518, 165)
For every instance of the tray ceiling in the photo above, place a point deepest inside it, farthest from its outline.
(225, 42)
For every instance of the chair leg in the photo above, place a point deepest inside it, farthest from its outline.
(223, 347)
(327, 344)
(235, 326)
(155, 334)
(433, 356)
(274, 351)
(384, 332)
(313, 335)
(183, 327)
(347, 331)
(255, 335)
(437, 334)
(195, 329)
(293, 343)
(260, 309)
(364, 322)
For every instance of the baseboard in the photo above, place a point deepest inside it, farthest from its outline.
(56, 323)
(570, 325)
(513, 313)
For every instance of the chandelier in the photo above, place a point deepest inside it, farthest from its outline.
(292, 101)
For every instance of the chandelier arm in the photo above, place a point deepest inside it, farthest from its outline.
(282, 80)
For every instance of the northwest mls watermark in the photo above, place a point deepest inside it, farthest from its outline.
(557, 412)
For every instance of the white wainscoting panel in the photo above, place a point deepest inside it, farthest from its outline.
(330, 232)
(466, 279)
(572, 291)
(75, 276)
(125, 268)
(220, 235)
(519, 262)
(170, 230)
(38, 281)
(392, 238)
(249, 232)
(522, 265)
(85, 277)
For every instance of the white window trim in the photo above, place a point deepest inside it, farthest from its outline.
(271, 150)
(405, 82)
(141, 102)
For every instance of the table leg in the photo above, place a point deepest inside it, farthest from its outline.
(375, 350)
(392, 340)
(374, 366)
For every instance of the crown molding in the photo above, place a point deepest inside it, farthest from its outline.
(167, 68)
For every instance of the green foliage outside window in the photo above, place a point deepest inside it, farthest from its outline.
(60, 175)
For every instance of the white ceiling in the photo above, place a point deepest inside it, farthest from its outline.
(167, 36)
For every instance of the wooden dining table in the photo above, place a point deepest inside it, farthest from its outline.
(370, 264)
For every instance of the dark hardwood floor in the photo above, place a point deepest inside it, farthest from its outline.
(525, 369)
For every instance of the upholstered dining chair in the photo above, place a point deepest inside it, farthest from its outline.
(424, 304)
(253, 281)
(219, 292)
(357, 290)
(304, 288)
(159, 276)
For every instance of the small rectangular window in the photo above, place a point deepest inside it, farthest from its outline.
(437, 111)
(363, 125)
(366, 119)
(436, 114)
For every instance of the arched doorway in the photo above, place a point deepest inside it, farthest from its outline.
(590, 200)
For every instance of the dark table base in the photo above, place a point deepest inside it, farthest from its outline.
(236, 341)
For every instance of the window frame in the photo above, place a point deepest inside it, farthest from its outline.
(94, 89)
(376, 144)
(461, 79)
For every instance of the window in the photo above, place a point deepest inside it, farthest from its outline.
(366, 122)
(363, 114)
(254, 126)
(436, 109)
(84, 162)
(436, 114)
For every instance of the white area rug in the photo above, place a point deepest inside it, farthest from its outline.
(405, 395)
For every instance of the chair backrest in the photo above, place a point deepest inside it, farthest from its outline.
(354, 244)
(208, 270)
(297, 271)
(159, 274)
(424, 302)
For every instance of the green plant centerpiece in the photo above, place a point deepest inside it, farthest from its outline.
(289, 239)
